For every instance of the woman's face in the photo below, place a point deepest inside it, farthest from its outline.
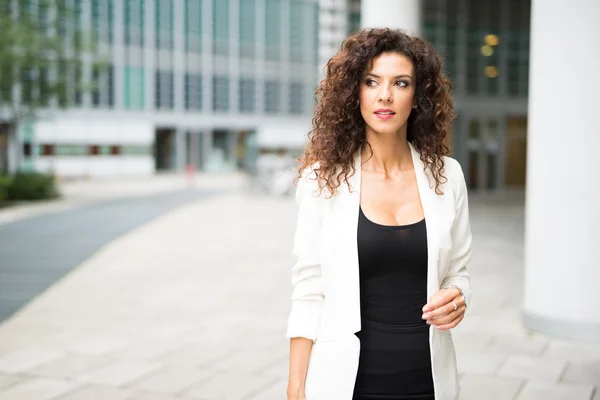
(387, 94)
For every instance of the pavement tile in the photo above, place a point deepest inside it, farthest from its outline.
(21, 360)
(471, 342)
(98, 392)
(233, 385)
(98, 345)
(583, 372)
(572, 351)
(250, 360)
(484, 387)
(118, 373)
(158, 396)
(482, 363)
(68, 366)
(277, 391)
(37, 389)
(532, 368)
(514, 345)
(195, 354)
(536, 390)
(172, 380)
(7, 381)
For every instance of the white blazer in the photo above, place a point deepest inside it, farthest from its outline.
(325, 278)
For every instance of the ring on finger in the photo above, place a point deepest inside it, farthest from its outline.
(455, 306)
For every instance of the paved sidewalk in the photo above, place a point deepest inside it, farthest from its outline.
(76, 193)
(193, 306)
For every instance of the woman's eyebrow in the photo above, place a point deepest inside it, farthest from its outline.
(396, 77)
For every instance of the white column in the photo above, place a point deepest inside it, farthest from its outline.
(562, 273)
(395, 14)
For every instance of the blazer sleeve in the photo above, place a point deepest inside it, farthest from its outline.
(460, 254)
(307, 293)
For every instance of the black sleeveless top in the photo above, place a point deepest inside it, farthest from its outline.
(394, 362)
(393, 271)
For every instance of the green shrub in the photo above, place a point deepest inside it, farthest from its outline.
(32, 186)
(5, 182)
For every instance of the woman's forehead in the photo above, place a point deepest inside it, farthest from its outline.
(391, 64)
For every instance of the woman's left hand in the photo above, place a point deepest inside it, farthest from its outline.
(440, 311)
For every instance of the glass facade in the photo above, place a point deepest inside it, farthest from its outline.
(180, 54)
(485, 46)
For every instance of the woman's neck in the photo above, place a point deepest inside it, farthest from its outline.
(390, 154)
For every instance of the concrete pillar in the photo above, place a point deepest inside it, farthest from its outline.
(562, 277)
(402, 14)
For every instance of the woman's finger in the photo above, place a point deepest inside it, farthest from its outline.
(452, 324)
(447, 318)
(445, 309)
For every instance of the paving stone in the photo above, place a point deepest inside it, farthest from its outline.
(37, 389)
(7, 381)
(157, 396)
(68, 366)
(526, 346)
(584, 372)
(482, 363)
(21, 360)
(471, 342)
(479, 387)
(274, 392)
(250, 360)
(99, 392)
(532, 368)
(195, 354)
(98, 345)
(118, 373)
(232, 385)
(172, 380)
(572, 351)
(536, 390)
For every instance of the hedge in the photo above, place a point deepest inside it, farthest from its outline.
(31, 186)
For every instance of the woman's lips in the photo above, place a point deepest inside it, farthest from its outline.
(384, 115)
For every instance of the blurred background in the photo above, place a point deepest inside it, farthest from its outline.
(146, 211)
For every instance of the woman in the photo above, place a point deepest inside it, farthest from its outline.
(383, 236)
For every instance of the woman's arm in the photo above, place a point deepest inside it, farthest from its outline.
(300, 349)
(307, 294)
(446, 308)
(460, 254)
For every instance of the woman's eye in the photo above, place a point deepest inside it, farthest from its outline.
(402, 83)
(370, 82)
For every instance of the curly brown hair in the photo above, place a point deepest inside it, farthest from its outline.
(338, 127)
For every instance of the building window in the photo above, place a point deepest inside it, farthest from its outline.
(272, 97)
(220, 94)
(47, 150)
(163, 24)
(193, 91)
(164, 91)
(298, 34)
(221, 27)
(193, 26)
(297, 98)
(103, 19)
(247, 95)
(27, 149)
(134, 97)
(134, 22)
(247, 28)
(103, 92)
(273, 30)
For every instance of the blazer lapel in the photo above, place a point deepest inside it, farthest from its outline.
(426, 186)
